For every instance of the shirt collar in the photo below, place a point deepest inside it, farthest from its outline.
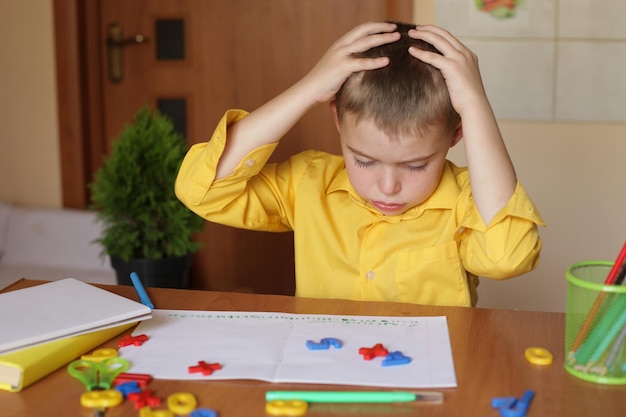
(446, 193)
(443, 197)
(340, 182)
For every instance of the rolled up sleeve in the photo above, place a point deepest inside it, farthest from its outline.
(197, 188)
(508, 246)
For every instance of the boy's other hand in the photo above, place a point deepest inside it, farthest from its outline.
(458, 65)
(338, 63)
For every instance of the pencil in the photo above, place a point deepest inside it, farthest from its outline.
(617, 266)
(619, 279)
(608, 338)
(141, 291)
(620, 264)
(612, 358)
(603, 334)
(354, 396)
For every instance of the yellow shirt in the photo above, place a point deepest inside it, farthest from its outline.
(344, 248)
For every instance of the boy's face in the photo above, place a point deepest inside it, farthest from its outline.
(393, 174)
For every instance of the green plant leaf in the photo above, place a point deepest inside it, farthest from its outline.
(133, 193)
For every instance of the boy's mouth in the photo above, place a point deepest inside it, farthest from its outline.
(387, 207)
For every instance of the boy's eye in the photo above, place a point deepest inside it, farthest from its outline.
(417, 167)
(363, 164)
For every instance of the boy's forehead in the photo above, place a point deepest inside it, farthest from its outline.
(365, 138)
(367, 127)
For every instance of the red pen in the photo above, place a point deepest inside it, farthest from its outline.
(617, 266)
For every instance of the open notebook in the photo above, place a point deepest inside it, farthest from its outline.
(60, 309)
(273, 347)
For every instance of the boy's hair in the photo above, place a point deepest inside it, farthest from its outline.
(404, 97)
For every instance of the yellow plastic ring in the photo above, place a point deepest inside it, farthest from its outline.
(538, 356)
(286, 408)
(181, 403)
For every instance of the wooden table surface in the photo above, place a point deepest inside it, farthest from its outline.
(487, 345)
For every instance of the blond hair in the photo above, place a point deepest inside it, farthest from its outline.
(405, 97)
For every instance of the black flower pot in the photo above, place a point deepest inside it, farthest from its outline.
(166, 273)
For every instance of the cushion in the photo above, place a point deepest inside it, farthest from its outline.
(53, 237)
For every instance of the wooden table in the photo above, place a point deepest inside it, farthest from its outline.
(488, 348)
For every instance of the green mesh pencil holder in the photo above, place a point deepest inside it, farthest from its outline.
(595, 325)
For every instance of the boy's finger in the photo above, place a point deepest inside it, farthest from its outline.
(436, 30)
(428, 57)
(367, 64)
(372, 41)
(366, 31)
(438, 37)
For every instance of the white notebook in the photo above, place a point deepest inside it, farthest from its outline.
(59, 309)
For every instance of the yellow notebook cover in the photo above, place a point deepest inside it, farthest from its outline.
(21, 368)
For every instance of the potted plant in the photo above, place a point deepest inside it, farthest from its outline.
(146, 229)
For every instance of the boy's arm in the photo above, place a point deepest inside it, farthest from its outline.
(270, 122)
(492, 175)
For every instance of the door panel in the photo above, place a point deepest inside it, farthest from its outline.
(235, 54)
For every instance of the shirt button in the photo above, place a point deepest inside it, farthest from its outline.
(250, 163)
(370, 275)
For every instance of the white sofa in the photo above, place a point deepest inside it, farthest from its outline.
(50, 244)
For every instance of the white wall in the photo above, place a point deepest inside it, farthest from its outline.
(573, 170)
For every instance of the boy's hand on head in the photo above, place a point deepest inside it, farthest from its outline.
(338, 63)
(458, 65)
(492, 175)
(269, 123)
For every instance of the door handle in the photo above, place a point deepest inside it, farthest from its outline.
(115, 45)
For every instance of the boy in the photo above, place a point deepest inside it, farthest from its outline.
(391, 220)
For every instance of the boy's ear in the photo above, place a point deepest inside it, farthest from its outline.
(458, 134)
(333, 110)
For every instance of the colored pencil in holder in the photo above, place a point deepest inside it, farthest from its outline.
(616, 273)
(603, 334)
(613, 359)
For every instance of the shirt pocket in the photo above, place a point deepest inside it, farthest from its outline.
(433, 276)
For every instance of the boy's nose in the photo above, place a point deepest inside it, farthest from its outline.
(390, 184)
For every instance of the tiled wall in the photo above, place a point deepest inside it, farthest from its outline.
(555, 60)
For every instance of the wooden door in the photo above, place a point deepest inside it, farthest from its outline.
(201, 57)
